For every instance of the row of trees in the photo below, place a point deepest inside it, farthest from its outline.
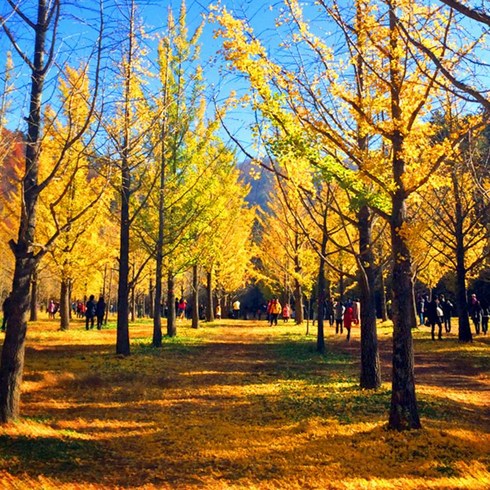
(368, 140)
(375, 124)
(128, 169)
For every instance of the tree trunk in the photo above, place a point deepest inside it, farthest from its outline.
(384, 308)
(12, 360)
(413, 311)
(65, 304)
(157, 309)
(171, 323)
(464, 329)
(298, 302)
(403, 411)
(133, 301)
(209, 298)
(370, 365)
(151, 300)
(33, 303)
(157, 319)
(322, 287)
(109, 295)
(195, 297)
(122, 341)
(322, 297)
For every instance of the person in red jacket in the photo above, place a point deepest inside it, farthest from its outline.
(348, 317)
(286, 313)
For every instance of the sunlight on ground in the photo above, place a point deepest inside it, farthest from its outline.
(238, 405)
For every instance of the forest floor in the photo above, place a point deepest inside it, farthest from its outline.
(239, 404)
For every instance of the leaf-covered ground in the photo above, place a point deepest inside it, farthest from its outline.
(240, 405)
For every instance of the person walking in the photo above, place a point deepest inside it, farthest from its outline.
(329, 311)
(181, 306)
(100, 311)
(90, 309)
(51, 309)
(447, 309)
(7, 309)
(286, 313)
(435, 316)
(485, 314)
(348, 319)
(236, 309)
(339, 316)
(218, 312)
(421, 310)
(275, 310)
(474, 309)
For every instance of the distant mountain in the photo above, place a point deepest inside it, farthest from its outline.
(260, 181)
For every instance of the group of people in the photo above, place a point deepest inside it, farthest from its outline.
(344, 315)
(431, 312)
(439, 310)
(274, 309)
(94, 310)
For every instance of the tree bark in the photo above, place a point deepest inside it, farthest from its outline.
(132, 303)
(298, 302)
(171, 323)
(322, 297)
(370, 365)
(157, 308)
(151, 300)
(464, 329)
(195, 297)
(65, 304)
(12, 362)
(403, 411)
(122, 338)
(322, 287)
(382, 290)
(13, 351)
(209, 299)
(33, 302)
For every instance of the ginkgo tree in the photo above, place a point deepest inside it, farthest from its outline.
(315, 109)
(223, 209)
(36, 34)
(180, 129)
(73, 204)
(458, 237)
(127, 122)
(285, 248)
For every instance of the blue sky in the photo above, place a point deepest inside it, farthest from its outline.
(78, 30)
(78, 33)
